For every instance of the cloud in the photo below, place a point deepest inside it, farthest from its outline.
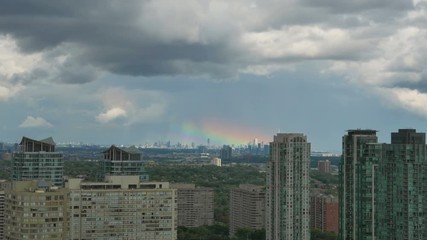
(304, 42)
(377, 44)
(14, 68)
(217, 38)
(111, 114)
(131, 106)
(35, 122)
(409, 99)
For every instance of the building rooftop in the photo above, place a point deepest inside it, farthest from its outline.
(30, 145)
(131, 149)
(362, 132)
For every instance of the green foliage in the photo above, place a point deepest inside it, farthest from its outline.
(222, 179)
(319, 235)
(207, 175)
(249, 234)
(325, 178)
(90, 170)
(214, 232)
(5, 169)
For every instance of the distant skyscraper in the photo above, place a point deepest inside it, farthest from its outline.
(37, 160)
(324, 166)
(384, 187)
(287, 207)
(124, 162)
(247, 208)
(226, 152)
(195, 205)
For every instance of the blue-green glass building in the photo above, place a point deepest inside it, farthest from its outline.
(383, 191)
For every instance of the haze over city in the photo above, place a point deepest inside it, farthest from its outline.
(109, 72)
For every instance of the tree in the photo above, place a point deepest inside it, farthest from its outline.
(249, 234)
(317, 234)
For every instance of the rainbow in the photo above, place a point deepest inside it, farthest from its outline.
(220, 133)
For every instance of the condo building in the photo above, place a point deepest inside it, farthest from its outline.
(247, 208)
(35, 210)
(124, 162)
(355, 144)
(195, 205)
(38, 160)
(122, 207)
(287, 194)
(384, 188)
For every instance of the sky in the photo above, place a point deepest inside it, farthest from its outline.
(136, 72)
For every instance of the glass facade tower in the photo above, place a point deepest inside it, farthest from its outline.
(124, 162)
(383, 192)
(37, 160)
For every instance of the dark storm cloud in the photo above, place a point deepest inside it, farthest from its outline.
(149, 38)
(108, 35)
(353, 6)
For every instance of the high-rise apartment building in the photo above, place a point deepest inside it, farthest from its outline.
(37, 160)
(384, 186)
(352, 217)
(287, 198)
(35, 210)
(324, 166)
(121, 207)
(324, 212)
(247, 208)
(124, 162)
(195, 205)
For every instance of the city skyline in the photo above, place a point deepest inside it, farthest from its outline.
(107, 73)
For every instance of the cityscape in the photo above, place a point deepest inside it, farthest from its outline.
(372, 190)
(213, 120)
